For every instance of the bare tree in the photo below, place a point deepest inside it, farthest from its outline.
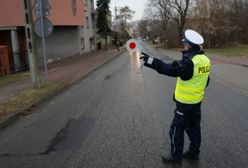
(239, 17)
(176, 10)
(125, 14)
(143, 24)
(219, 21)
(158, 20)
(213, 18)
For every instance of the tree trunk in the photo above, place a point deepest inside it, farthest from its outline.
(165, 38)
(106, 42)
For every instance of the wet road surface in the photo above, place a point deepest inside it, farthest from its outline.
(116, 118)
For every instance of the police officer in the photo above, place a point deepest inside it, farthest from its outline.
(192, 73)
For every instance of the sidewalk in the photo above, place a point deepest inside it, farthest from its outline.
(229, 70)
(67, 71)
(232, 71)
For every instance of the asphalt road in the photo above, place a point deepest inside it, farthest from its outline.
(116, 118)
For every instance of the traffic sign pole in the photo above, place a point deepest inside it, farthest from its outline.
(30, 42)
(43, 41)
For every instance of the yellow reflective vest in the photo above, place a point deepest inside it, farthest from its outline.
(192, 91)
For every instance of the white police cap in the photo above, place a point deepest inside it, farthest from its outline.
(193, 37)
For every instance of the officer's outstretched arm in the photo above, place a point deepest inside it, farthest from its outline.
(170, 69)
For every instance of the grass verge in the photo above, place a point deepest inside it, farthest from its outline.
(27, 98)
(240, 50)
(5, 80)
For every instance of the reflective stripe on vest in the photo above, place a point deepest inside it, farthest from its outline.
(192, 91)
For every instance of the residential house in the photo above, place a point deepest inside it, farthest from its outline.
(88, 30)
(73, 32)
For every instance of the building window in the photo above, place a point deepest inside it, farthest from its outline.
(74, 6)
(87, 22)
(92, 40)
(82, 43)
(93, 23)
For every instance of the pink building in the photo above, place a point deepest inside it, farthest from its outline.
(67, 16)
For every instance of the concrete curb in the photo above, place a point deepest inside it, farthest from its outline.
(9, 119)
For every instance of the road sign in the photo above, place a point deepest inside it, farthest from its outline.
(46, 7)
(45, 13)
(48, 27)
(131, 45)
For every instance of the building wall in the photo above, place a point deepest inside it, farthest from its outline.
(63, 12)
(11, 13)
(87, 32)
(71, 35)
(61, 44)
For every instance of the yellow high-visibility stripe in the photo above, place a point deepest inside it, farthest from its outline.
(189, 98)
(190, 93)
(190, 88)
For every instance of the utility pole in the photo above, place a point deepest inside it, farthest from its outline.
(31, 47)
(43, 27)
(43, 41)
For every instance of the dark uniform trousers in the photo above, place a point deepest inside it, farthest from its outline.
(187, 118)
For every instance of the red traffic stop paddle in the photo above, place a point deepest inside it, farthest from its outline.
(131, 45)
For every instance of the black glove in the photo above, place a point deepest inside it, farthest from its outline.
(145, 57)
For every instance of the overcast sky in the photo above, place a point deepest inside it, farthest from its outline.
(135, 5)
